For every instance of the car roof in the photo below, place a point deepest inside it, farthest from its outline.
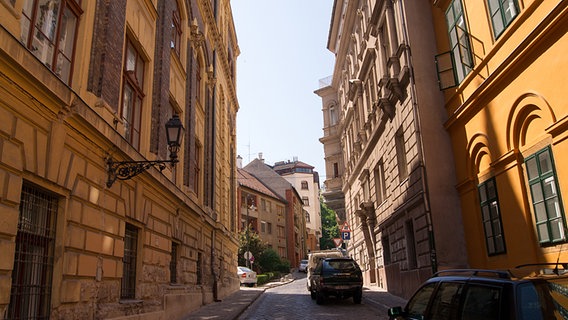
(514, 276)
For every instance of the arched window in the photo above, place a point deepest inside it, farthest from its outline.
(332, 115)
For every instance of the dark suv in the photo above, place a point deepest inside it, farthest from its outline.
(338, 277)
(520, 293)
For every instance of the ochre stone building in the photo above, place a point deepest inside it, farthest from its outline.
(508, 121)
(84, 84)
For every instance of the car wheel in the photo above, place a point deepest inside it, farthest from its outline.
(320, 298)
(313, 295)
(357, 296)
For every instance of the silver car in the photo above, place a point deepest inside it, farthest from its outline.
(246, 276)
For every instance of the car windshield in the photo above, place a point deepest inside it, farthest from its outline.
(342, 265)
(245, 269)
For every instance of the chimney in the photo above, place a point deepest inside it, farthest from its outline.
(260, 157)
(239, 162)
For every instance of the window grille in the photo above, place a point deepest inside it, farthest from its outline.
(30, 296)
(199, 271)
(173, 263)
(128, 289)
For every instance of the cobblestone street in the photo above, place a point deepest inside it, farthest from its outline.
(292, 301)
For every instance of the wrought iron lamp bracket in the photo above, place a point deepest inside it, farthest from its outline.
(124, 170)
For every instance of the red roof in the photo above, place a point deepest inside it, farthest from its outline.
(247, 180)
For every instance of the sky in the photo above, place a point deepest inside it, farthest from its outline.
(283, 55)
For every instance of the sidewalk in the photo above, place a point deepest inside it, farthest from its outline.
(234, 305)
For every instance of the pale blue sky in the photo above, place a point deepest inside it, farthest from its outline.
(283, 56)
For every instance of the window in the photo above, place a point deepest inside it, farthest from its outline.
(380, 183)
(198, 83)
(332, 115)
(263, 204)
(445, 304)
(132, 94)
(419, 302)
(386, 250)
(549, 215)
(263, 226)
(304, 185)
(269, 228)
(128, 286)
(197, 167)
(491, 217)
(455, 65)
(30, 297)
(176, 33)
(49, 30)
(335, 170)
(502, 13)
(173, 263)
(199, 268)
(401, 155)
(410, 245)
(306, 201)
(482, 302)
(281, 232)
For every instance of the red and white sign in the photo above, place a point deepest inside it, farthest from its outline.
(345, 227)
(337, 242)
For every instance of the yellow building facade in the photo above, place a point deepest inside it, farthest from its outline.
(84, 85)
(502, 65)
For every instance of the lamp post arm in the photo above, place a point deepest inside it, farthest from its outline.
(124, 170)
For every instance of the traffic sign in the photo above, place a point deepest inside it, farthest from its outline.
(345, 227)
(337, 242)
(345, 235)
(248, 255)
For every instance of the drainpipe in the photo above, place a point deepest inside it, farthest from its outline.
(431, 240)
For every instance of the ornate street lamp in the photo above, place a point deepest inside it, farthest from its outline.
(124, 170)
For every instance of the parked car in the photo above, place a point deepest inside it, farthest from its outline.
(338, 277)
(490, 294)
(303, 267)
(246, 276)
(315, 257)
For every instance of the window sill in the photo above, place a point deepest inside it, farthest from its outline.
(130, 301)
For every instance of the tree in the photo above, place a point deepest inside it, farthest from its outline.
(329, 226)
(252, 243)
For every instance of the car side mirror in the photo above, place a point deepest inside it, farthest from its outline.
(395, 312)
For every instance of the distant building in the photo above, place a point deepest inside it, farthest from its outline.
(294, 212)
(262, 211)
(306, 181)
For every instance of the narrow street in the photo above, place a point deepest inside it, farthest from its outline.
(292, 301)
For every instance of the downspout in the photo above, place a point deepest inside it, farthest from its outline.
(431, 240)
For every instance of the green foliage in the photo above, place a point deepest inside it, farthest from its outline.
(268, 260)
(329, 226)
(253, 243)
(262, 279)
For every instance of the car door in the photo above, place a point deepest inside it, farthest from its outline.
(418, 304)
(446, 301)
